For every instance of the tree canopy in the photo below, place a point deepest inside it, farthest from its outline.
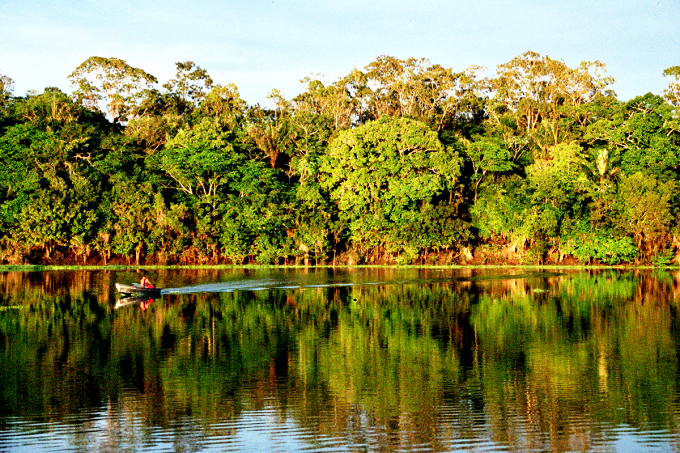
(402, 161)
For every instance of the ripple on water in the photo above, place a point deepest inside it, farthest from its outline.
(270, 429)
(626, 438)
(266, 429)
(27, 435)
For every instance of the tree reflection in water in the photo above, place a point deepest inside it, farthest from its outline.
(561, 362)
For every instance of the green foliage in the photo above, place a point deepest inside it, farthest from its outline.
(391, 163)
(558, 177)
(6, 90)
(646, 210)
(134, 218)
(638, 133)
(200, 160)
(112, 80)
(254, 222)
(18, 178)
(434, 227)
(600, 246)
(313, 220)
(381, 174)
(487, 155)
(500, 209)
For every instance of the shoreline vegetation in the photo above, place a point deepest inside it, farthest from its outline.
(403, 162)
(452, 267)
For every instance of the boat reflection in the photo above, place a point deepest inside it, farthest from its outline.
(142, 301)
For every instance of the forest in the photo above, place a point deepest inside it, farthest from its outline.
(401, 162)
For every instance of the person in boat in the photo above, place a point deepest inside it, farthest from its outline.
(145, 283)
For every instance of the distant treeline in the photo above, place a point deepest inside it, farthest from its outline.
(402, 162)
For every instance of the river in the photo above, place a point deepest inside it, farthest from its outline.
(341, 359)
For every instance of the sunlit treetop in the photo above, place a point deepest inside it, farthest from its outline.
(672, 93)
(6, 89)
(191, 82)
(112, 80)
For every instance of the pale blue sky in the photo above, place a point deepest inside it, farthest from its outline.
(265, 44)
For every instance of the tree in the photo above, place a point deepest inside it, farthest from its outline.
(309, 136)
(672, 96)
(557, 177)
(501, 209)
(200, 160)
(6, 90)
(558, 181)
(157, 115)
(605, 172)
(254, 217)
(637, 131)
(135, 219)
(271, 134)
(646, 210)
(381, 173)
(672, 93)
(110, 79)
(224, 103)
(53, 144)
(487, 155)
(337, 101)
(42, 223)
(191, 82)
(448, 97)
(543, 92)
(536, 86)
(417, 89)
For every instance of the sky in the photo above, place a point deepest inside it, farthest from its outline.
(261, 45)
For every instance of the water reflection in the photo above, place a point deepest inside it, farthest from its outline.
(341, 360)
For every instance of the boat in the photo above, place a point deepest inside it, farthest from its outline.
(137, 290)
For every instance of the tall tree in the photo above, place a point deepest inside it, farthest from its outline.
(191, 83)
(542, 92)
(337, 101)
(6, 90)
(270, 128)
(672, 92)
(638, 132)
(112, 80)
(383, 173)
(224, 103)
(487, 155)
(672, 95)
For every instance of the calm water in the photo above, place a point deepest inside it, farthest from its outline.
(341, 360)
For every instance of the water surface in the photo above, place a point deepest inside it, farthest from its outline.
(341, 360)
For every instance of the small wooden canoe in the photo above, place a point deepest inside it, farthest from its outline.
(137, 290)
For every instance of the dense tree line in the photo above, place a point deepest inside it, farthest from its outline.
(402, 162)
